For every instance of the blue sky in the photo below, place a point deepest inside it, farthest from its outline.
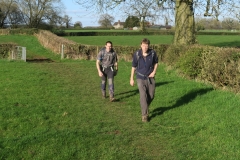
(77, 13)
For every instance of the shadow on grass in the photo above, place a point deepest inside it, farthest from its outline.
(131, 93)
(181, 101)
(39, 60)
(234, 44)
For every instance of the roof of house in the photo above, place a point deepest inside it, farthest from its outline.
(116, 23)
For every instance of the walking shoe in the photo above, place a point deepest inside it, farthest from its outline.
(144, 118)
(112, 99)
(103, 95)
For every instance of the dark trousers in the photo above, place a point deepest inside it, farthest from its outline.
(107, 74)
(146, 91)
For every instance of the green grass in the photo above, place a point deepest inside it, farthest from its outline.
(55, 111)
(120, 40)
(213, 40)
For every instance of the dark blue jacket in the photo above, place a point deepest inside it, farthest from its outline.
(144, 67)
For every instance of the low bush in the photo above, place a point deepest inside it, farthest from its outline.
(215, 65)
(173, 53)
(5, 49)
(190, 63)
(221, 67)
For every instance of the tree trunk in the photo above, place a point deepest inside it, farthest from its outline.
(142, 24)
(184, 22)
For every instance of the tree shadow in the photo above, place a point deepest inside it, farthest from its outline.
(162, 83)
(39, 60)
(234, 44)
(131, 93)
(126, 94)
(181, 101)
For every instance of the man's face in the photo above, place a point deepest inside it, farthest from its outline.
(144, 47)
(108, 47)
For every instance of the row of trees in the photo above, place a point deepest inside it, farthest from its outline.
(184, 11)
(226, 23)
(32, 13)
(106, 21)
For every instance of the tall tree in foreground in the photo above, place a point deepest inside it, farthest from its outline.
(184, 23)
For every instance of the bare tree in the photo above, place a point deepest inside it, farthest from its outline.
(78, 24)
(5, 10)
(142, 9)
(67, 20)
(55, 19)
(15, 16)
(106, 20)
(230, 23)
(36, 11)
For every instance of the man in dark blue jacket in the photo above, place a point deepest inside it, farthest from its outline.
(144, 64)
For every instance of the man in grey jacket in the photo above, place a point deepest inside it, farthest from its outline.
(107, 67)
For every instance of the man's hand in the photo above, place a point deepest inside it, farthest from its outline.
(132, 82)
(100, 73)
(152, 75)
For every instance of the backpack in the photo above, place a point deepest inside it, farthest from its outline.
(103, 54)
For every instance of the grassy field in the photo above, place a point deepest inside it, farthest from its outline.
(213, 40)
(55, 111)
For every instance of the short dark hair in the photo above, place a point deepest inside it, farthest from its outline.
(145, 41)
(108, 42)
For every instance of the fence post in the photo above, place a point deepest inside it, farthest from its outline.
(24, 53)
(62, 52)
(12, 54)
(97, 50)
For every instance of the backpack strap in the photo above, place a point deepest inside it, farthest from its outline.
(103, 54)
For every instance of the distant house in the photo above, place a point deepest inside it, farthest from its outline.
(118, 25)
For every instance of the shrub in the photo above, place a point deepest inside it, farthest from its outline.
(190, 63)
(173, 53)
(221, 67)
(5, 49)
